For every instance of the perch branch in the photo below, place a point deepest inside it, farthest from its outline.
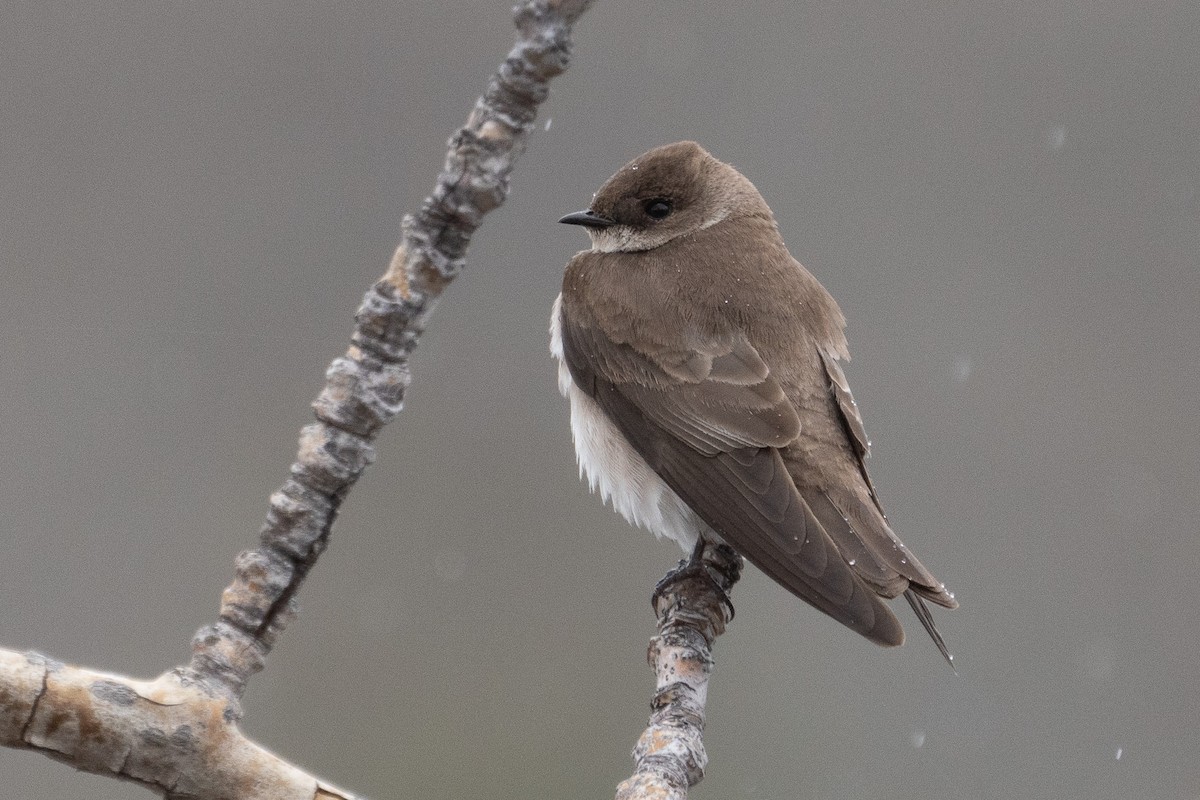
(693, 610)
(178, 733)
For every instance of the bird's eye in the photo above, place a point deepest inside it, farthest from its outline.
(658, 208)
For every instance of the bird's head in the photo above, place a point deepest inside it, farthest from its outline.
(668, 192)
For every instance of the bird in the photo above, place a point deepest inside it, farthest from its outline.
(702, 365)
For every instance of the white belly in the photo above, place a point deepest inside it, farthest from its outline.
(614, 468)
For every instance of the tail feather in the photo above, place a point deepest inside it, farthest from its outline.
(922, 612)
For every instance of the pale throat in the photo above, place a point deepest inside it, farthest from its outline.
(620, 239)
(624, 239)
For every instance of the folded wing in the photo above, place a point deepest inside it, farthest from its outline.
(710, 420)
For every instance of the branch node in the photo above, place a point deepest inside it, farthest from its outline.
(329, 459)
(298, 521)
(390, 321)
(224, 657)
(362, 393)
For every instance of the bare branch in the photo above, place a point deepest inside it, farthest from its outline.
(178, 734)
(365, 388)
(693, 610)
(172, 738)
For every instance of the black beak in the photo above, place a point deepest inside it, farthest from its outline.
(587, 219)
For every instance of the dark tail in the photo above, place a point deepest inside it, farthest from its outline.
(922, 612)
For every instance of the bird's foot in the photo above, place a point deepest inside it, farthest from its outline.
(695, 566)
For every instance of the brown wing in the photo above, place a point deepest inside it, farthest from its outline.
(856, 523)
(845, 401)
(715, 397)
(862, 517)
(709, 421)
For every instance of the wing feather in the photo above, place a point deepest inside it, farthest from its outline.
(857, 522)
(710, 425)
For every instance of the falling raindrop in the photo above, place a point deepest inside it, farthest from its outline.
(1120, 752)
(549, 122)
(1056, 137)
(918, 739)
(962, 369)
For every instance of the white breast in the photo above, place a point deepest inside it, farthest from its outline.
(611, 465)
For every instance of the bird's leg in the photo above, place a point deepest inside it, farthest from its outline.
(728, 569)
(685, 568)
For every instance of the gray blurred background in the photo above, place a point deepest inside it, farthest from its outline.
(1002, 195)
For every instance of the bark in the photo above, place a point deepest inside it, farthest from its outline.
(178, 733)
(693, 609)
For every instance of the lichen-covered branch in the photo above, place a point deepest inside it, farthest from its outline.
(365, 388)
(693, 610)
(178, 734)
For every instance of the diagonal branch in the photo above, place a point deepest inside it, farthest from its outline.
(178, 734)
(365, 388)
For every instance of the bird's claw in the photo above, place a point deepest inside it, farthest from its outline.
(694, 566)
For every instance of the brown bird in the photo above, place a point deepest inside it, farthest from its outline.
(701, 364)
